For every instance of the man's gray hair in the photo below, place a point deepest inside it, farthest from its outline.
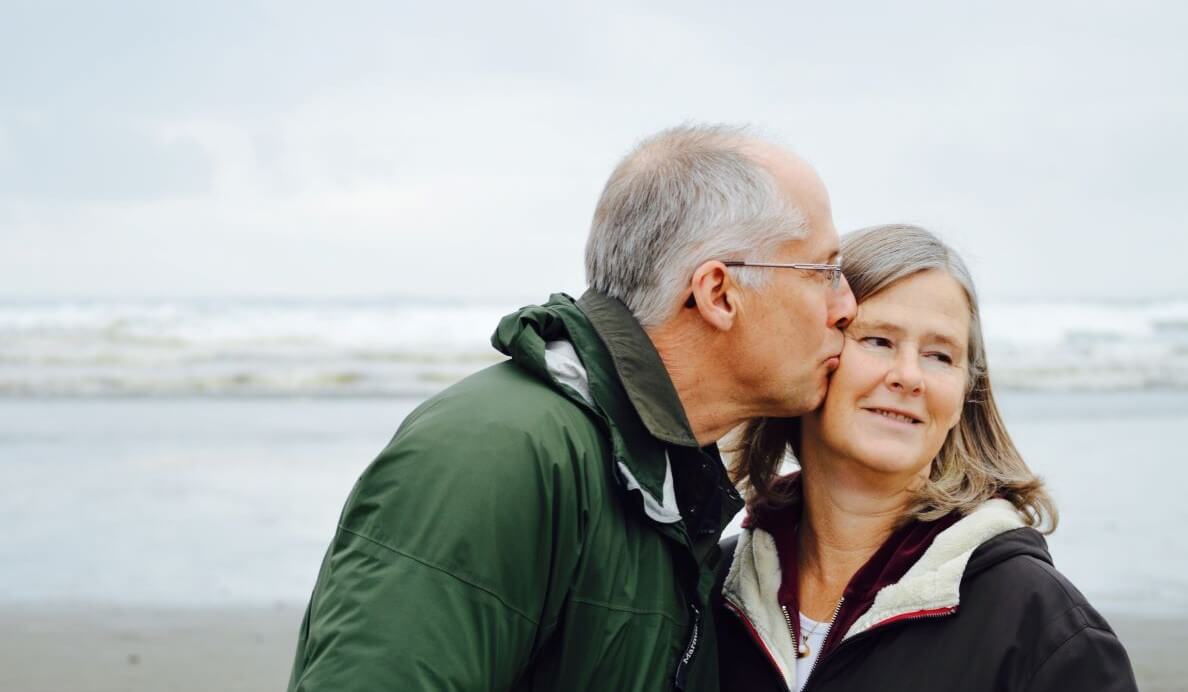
(682, 197)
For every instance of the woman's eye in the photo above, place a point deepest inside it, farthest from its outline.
(942, 357)
(877, 341)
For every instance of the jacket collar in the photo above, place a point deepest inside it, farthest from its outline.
(544, 338)
(640, 369)
(933, 584)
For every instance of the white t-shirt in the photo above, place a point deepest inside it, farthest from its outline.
(816, 632)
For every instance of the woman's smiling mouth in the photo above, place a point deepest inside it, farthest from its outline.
(897, 416)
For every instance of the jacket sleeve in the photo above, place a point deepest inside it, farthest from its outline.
(1092, 660)
(449, 565)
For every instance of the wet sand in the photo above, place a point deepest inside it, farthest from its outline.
(107, 649)
(110, 649)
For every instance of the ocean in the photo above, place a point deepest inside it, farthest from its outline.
(405, 348)
(198, 453)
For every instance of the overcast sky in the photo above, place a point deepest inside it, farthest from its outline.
(286, 149)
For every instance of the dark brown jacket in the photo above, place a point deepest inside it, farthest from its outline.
(983, 609)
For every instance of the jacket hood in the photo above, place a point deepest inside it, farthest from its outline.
(557, 343)
(524, 334)
(599, 322)
(1006, 546)
(933, 584)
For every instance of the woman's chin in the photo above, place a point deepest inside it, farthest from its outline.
(886, 462)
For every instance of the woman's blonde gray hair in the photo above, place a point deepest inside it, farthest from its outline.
(978, 460)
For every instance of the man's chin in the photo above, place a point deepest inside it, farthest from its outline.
(804, 401)
(819, 394)
(822, 392)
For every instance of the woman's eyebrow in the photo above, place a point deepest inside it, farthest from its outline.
(876, 326)
(946, 339)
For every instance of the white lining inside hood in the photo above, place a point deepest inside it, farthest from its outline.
(562, 362)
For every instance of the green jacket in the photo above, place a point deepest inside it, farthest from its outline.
(524, 529)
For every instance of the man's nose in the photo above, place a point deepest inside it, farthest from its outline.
(842, 306)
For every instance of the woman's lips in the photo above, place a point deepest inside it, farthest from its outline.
(894, 417)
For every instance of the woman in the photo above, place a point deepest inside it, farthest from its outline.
(904, 555)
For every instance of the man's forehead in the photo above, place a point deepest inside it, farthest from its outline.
(817, 245)
(793, 175)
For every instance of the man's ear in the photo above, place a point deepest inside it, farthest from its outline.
(715, 295)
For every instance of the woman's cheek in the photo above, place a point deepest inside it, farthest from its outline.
(949, 398)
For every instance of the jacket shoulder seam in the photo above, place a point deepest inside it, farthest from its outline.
(1079, 631)
(442, 570)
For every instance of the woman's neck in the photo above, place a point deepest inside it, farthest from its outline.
(847, 516)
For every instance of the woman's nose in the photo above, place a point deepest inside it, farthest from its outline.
(905, 374)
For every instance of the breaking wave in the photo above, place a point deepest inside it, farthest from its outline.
(411, 348)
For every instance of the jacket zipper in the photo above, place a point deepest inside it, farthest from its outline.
(682, 670)
(788, 619)
(791, 629)
(833, 619)
(734, 608)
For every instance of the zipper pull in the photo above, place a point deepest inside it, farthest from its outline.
(682, 670)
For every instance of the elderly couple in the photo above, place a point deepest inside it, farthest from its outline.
(553, 522)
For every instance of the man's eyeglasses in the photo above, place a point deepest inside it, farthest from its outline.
(833, 276)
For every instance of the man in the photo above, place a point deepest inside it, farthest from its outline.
(551, 522)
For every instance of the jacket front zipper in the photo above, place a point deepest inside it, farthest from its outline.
(734, 608)
(791, 629)
(788, 619)
(836, 610)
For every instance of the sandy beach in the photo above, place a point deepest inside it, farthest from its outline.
(114, 649)
(108, 649)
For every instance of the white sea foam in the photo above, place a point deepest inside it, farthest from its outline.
(1079, 346)
(393, 347)
(243, 347)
